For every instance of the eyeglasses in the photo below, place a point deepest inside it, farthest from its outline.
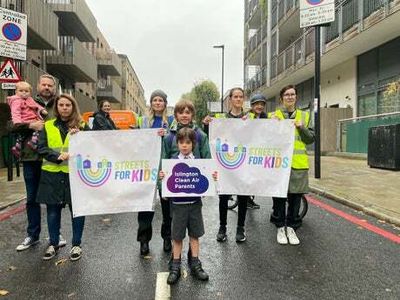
(289, 95)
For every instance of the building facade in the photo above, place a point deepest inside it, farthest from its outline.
(132, 90)
(109, 72)
(359, 63)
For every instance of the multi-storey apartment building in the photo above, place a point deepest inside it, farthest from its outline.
(109, 71)
(360, 51)
(73, 61)
(132, 90)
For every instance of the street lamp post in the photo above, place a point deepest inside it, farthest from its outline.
(222, 84)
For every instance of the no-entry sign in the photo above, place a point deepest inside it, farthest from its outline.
(316, 12)
(13, 34)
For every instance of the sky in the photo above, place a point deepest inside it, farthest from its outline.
(170, 42)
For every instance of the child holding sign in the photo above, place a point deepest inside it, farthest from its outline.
(185, 141)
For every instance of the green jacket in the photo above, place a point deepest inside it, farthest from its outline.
(170, 147)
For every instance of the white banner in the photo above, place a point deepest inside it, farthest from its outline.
(253, 156)
(188, 177)
(114, 171)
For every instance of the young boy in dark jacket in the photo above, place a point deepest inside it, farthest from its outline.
(186, 143)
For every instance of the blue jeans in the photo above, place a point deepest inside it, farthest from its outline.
(32, 170)
(54, 224)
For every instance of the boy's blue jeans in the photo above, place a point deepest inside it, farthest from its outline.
(54, 224)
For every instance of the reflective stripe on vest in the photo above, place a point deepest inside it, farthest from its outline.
(220, 116)
(300, 157)
(54, 141)
(143, 122)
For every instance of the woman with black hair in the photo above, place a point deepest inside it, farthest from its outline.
(102, 119)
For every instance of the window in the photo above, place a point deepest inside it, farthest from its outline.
(367, 105)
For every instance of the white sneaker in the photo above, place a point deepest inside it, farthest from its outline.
(51, 251)
(281, 236)
(28, 242)
(291, 234)
(75, 253)
(61, 241)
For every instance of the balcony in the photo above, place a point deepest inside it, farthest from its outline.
(42, 22)
(253, 13)
(109, 63)
(110, 91)
(72, 60)
(76, 19)
(31, 74)
(296, 55)
(85, 103)
(366, 23)
(257, 80)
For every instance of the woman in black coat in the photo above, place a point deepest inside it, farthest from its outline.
(54, 188)
(102, 119)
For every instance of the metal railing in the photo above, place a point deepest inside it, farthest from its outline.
(372, 5)
(349, 13)
(111, 91)
(250, 8)
(294, 55)
(257, 80)
(352, 134)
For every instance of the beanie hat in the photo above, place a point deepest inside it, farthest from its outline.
(158, 93)
(257, 98)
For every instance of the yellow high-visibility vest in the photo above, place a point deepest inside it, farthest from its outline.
(54, 141)
(220, 116)
(300, 157)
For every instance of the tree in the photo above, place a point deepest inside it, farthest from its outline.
(201, 94)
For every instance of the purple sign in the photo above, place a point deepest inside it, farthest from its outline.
(185, 179)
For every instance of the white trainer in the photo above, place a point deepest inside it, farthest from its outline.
(292, 237)
(61, 242)
(281, 236)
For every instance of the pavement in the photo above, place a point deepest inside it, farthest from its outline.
(11, 192)
(348, 180)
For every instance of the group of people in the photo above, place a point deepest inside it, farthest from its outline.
(52, 119)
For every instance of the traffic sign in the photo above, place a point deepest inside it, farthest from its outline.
(8, 72)
(316, 12)
(13, 34)
(8, 85)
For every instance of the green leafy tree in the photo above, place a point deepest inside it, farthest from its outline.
(201, 94)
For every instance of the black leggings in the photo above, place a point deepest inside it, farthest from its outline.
(145, 218)
(223, 209)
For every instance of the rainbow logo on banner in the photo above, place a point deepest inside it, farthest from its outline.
(89, 176)
(230, 160)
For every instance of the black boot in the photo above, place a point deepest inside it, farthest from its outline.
(197, 270)
(174, 272)
(144, 248)
(167, 245)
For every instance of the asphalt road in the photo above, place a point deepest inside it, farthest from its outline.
(335, 260)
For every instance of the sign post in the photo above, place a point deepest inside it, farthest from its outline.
(317, 13)
(13, 34)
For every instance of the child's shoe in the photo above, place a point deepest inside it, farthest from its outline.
(197, 270)
(16, 150)
(174, 272)
(33, 143)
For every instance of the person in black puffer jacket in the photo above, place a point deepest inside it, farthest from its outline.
(102, 119)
